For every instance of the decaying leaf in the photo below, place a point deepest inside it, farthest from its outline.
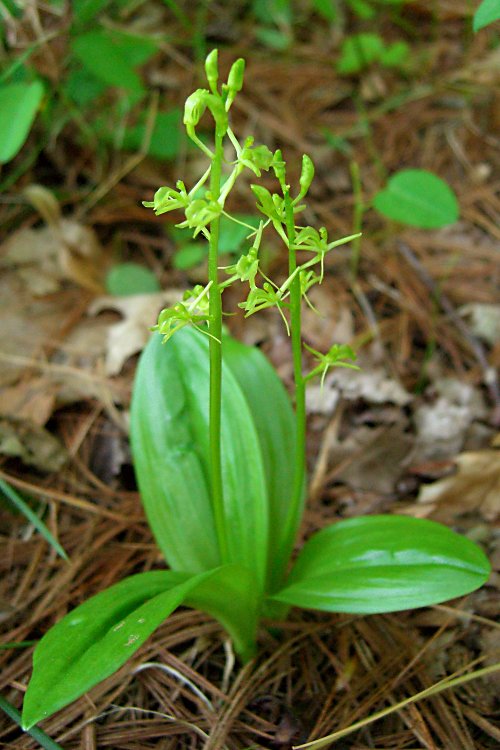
(129, 336)
(474, 487)
(484, 320)
(34, 445)
(62, 249)
(32, 399)
(373, 459)
(372, 384)
(442, 425)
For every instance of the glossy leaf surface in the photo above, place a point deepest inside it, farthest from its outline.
(170, 446)
(383, 564)
(98, 637)
(274, 420)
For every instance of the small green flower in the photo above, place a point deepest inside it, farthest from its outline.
(199, 213)
(167, 199)
(172, 319)
(335, 357)
(255, 157)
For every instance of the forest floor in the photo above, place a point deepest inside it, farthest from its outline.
(417, 431)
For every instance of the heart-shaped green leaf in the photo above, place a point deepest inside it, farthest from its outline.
(95, 639)
(418, 198)
(383, 564)
(170, 446)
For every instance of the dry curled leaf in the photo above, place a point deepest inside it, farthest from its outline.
(443, 425)
(129, 336)
(373, 385)
(34, 445)
(62, 249)
(474, 487)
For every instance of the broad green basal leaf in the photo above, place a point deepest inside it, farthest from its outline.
(418, 198)
(273, 416)
(169, 438)
(99, 636)
(383, 564)
(170, 465)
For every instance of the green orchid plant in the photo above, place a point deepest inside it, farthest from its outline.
(219, 453)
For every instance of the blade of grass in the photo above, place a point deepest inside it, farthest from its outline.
(18, 644)
(24, 508)
(43, 739)
(444, 684)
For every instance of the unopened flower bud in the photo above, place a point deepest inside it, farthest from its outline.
(212, 70)
(307, 174)
(235, 79)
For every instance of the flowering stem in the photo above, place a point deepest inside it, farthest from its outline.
(215, 349)
(294, 511)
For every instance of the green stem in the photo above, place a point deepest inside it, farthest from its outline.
(295, 304)
(215, 349)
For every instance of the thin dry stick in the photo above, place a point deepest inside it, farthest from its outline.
(444, 684)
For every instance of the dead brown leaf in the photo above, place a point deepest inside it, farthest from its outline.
(62, 249)
(129, 336)
(34, 445)
(373, 459)
(474, 487)
(32, 399)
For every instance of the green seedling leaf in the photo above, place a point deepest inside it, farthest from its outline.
(169, 438)
(418, 198)
(19, 103)
(273, 416)
(383, 564)
(83, 87)
(394, 55)
(189, 255)
(135, 48)
(326, 9)
(488, 12)
(165, 138)
(272, 38)
(359, 51)
(131, 278)
(279, 12)
(95, 639)
(362, 9)
(39, 525)
(85, 10)
(101, 54)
